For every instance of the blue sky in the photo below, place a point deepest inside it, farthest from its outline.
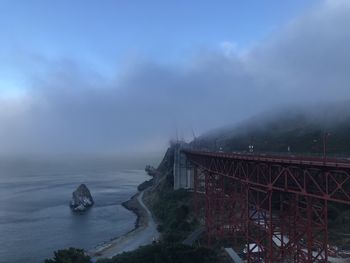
(104, 34)
(118, 76)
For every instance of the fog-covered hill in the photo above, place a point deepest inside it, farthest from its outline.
(301, 129)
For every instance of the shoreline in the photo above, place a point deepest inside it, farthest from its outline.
(134, 206)
(143, 233)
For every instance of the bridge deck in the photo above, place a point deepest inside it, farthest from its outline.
(298, 160)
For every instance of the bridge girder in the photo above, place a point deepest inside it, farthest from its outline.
(278, 205)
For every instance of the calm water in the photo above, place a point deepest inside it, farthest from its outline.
(35, 218)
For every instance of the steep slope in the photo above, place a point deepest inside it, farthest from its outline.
(301, 131)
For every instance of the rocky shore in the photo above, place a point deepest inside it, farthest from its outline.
(134, 205)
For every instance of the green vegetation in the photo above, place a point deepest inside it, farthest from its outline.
(165, 253)
(70, 255)
(339, 224)
(145, 185)
(155, 253)
(173, 210)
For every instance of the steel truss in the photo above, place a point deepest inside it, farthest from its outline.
(278, 205)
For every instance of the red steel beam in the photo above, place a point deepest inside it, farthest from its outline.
(327, 180)
(239, 195)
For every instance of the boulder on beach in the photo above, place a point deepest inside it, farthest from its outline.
(81, 199)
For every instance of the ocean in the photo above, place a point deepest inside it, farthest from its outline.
(35, 218)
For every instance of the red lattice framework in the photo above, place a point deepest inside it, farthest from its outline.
(278, 204)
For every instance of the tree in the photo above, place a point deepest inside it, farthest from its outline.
(70, 255)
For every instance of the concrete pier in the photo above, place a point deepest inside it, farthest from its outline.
(183, 171)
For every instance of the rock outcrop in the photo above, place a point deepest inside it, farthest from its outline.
(151, 171)
(81, 199)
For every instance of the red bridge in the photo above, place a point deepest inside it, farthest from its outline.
(277, 205)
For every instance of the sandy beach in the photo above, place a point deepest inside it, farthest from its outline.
(144, 233)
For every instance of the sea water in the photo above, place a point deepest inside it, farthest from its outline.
(35, 218)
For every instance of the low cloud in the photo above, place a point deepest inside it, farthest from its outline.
(71, 109)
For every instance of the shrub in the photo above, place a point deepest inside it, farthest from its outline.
(70, 255)
(165, 253)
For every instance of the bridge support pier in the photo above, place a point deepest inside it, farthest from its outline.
(307, 223)
(183, 170)
(277, 226)
(199, 188)
(265, 239)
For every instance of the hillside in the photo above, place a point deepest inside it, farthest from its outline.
(301, 131)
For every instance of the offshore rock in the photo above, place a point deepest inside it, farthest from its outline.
(81, 199)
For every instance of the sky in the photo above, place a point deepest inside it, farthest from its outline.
(106, 77)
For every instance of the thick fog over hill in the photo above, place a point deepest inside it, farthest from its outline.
(66, 106)
(289, 130)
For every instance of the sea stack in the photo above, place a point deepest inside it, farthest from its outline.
(81, 199)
